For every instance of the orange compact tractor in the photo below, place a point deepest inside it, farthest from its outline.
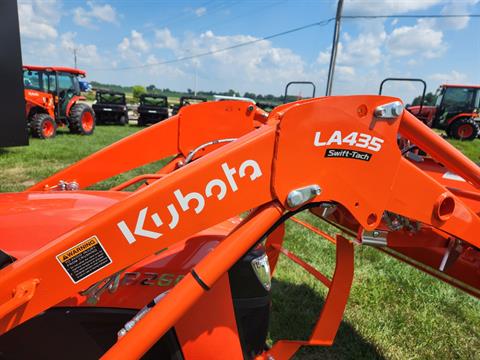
(456, 109)
(52, 96)
(180, 266)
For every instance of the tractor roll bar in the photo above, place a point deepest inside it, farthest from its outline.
(296, 83)
(407, 79)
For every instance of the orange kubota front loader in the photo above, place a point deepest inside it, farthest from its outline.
(82, 262)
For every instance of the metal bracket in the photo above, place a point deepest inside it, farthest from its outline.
(302, 195)
(94, 292)
(389, 111)
(374, 238)
(454, 249)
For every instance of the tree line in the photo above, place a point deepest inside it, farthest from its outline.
(137, 90)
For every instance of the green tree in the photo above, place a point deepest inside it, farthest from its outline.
(430, 99)
(249, 95)
(138, 90)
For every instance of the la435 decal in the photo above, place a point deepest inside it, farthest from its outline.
(354, 139)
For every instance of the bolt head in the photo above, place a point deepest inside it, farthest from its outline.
(397, 108)
(380, 112)
(295, 198)
(73, 185)
(389, 111)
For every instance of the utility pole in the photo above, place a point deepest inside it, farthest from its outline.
(75, 57)
(195, 81)
(333, 56)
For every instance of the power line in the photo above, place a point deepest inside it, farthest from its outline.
(236, 46)
(286, 32)
(415, 16)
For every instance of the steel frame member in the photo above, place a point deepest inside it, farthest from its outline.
(337, 156)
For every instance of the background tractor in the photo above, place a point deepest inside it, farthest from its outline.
(456, 109)
(52, 96)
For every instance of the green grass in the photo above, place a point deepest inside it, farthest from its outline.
(469, 148)
(394, 312)
(21, 167)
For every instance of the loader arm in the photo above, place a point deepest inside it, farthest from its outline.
(177, 135)
(336, 151)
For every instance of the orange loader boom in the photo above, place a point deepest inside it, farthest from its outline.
(351, 160)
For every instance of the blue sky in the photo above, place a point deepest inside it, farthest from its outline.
(112, 35)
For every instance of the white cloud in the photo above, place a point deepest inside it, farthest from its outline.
(324, 56)
(165, 40)
(37, 20)
(134, 42)
(138, 42)
(95, 12)
(134, 47)
(246, 64)
(365, 49)
(162, 70)
(421, 38)
(457, 7)
(80, 17)
(87, 54)
(453, 77)
(200, 11)
(124, 46)
(345, 72)
(260, 66)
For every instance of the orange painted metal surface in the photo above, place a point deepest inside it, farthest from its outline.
(439, 149)
(214, 335)
(188, 291)
(35, 98)
(315, 230)
(428, 210)
(332, 312)
(322, 278)
(21, 294)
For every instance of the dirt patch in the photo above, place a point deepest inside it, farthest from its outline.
(14, 172)
(28, 183)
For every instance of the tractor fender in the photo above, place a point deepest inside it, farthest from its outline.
(462, 115)
(37, 101)
(32, 109)
(72, 102)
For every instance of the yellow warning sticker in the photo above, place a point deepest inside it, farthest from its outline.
(84, 259)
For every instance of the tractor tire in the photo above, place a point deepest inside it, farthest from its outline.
(464, 129)
(81, 119)
(448, 131)
(123, 120)
(43, 126)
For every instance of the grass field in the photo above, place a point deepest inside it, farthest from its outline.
(394, 312)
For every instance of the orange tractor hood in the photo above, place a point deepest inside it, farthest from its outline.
(30, 220)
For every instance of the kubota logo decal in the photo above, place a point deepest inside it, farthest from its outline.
(183, 201)
(354, 139)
